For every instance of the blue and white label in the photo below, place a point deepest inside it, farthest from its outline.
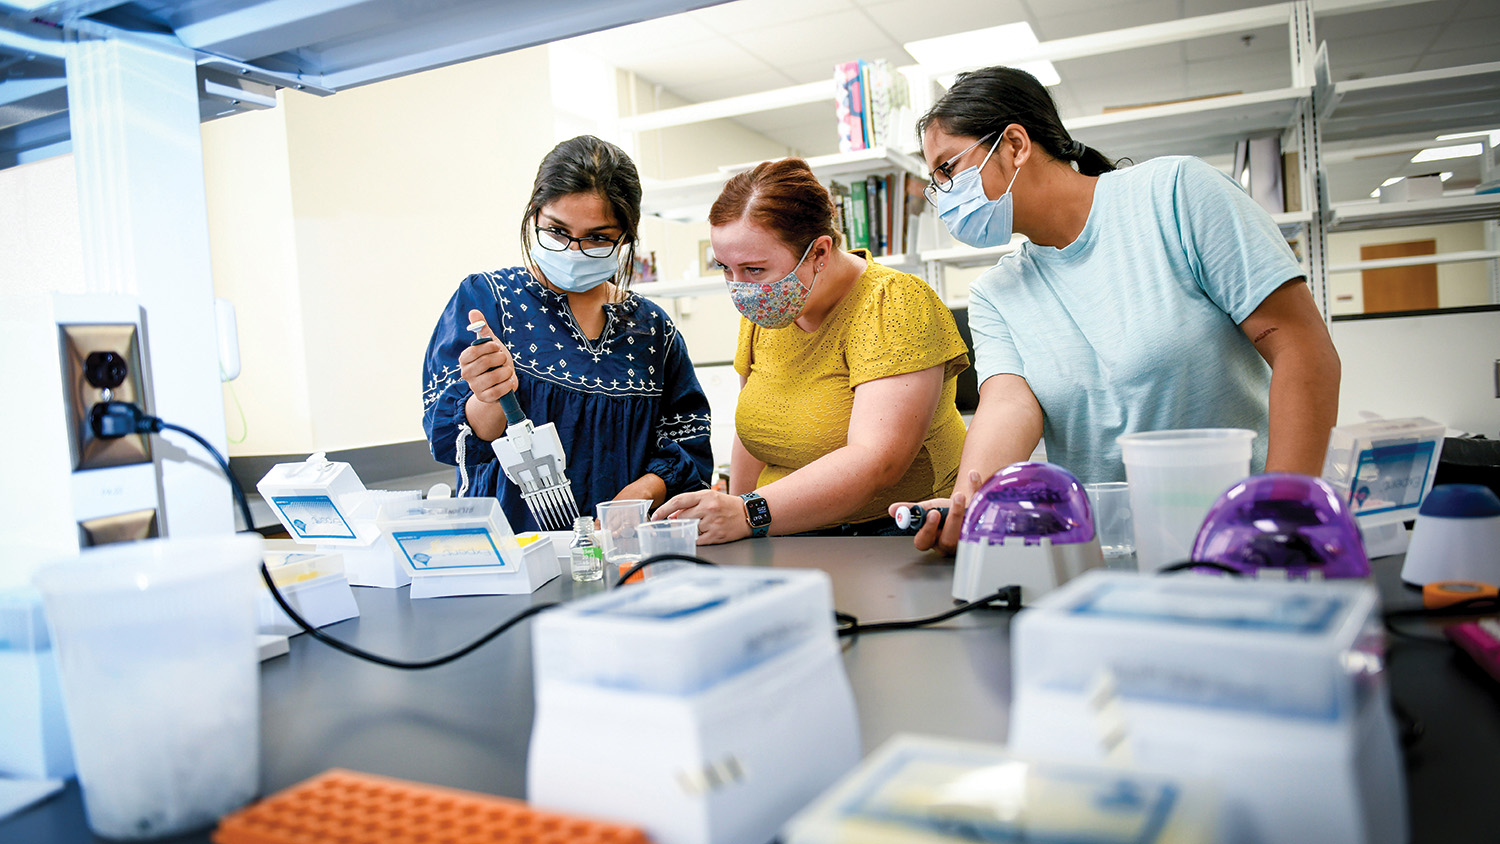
(312, 517)
(1390, 478)
(1232, 608)
(454, 551)
(964, 797)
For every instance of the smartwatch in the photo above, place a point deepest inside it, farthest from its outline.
(757, 514)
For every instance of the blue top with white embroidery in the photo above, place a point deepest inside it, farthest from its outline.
(625, 404)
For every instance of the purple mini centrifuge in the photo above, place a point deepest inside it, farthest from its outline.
(1293, 524)
(1030, 525)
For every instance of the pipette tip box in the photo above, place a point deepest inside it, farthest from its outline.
(313, 584)
(464, 546)
(356, 808)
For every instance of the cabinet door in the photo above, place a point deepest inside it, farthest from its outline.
(1399, 288)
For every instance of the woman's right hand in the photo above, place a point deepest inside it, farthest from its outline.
(487, 368)
(938, 532)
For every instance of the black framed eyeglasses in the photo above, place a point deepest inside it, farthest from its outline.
(940, 179)
(592, 245)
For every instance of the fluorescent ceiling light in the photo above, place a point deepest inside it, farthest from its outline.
(1375, 194)
(1445, 176)
(981, 48)
(1391, 181)
(1493, 135)
(1443, 153)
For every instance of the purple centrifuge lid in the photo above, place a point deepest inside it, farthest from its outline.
(1030, 500)
(1285, 521)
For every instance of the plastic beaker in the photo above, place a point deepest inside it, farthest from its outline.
(160, 677)
(619, 530)
(1175, 476)
(1111, 502)
(669, 536)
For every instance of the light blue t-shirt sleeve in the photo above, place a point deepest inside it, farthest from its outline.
(995, 350)
(1237, 254)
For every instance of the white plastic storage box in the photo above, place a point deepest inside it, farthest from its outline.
(941, 791)
(33, 732)
(698, 626)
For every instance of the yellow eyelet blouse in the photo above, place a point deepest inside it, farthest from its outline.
(799, 391)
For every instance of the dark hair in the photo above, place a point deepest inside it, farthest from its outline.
(986, 101)
(782, 196)
(586, 164)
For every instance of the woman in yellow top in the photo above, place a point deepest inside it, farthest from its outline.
(847, 379)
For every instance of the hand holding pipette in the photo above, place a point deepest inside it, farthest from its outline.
(486, 365)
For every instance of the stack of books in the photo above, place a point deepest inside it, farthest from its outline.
(873, 102)
(880, 212)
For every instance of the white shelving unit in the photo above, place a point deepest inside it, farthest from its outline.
(1357, 216)
(1305, 112)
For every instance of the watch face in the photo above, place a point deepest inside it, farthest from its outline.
(758, 511)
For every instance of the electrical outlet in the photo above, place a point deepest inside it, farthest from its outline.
(95, 358)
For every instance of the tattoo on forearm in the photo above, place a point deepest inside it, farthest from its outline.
(1263, 335)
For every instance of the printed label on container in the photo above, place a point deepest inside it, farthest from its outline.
(964, 797)
(454, 551)
(1390, 478)
(312, 517)
(1291, 613)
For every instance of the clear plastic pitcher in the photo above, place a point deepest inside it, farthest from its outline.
(1175, 476)
(155, 644)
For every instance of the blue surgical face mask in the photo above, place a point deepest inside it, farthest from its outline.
(573, 271)
(972, 217)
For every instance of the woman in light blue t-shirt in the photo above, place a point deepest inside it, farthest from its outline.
(1154, 297)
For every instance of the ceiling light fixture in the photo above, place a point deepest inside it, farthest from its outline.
(1444, 153)
(981, 48)
(1391, 181)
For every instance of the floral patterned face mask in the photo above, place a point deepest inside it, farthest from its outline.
(772, 304)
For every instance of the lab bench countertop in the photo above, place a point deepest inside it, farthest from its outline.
(467, 724)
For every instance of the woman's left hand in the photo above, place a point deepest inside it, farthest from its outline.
(721, 517)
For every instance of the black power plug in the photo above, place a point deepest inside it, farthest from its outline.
(114, 419)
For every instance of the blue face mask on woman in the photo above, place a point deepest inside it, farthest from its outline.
(972, 217)
(573, 271)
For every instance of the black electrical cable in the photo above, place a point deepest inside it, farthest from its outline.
(1010, 597)
(1487, 605)
(143, 423)
(659, 558)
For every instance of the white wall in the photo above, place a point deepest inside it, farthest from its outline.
(341, 227)
(1441, 367)
(41, 252)
(1459, 285)
(709, 323)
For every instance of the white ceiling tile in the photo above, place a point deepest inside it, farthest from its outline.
(1194, 8)
(914, 20)
(1389, 45)
(699, 61)
(1268, 44)
(1461, 35)
(841, 36)
(1113, 64)
(1334, 28)
(1455, 58)
(744, 15)
(648, 36)
(1052, 24)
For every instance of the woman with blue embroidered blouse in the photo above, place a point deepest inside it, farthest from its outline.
(604, 365)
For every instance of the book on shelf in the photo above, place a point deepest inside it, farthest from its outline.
(849, 106)
(872, 104)
(859, 229)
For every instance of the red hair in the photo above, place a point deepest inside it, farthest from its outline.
(783, 197)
